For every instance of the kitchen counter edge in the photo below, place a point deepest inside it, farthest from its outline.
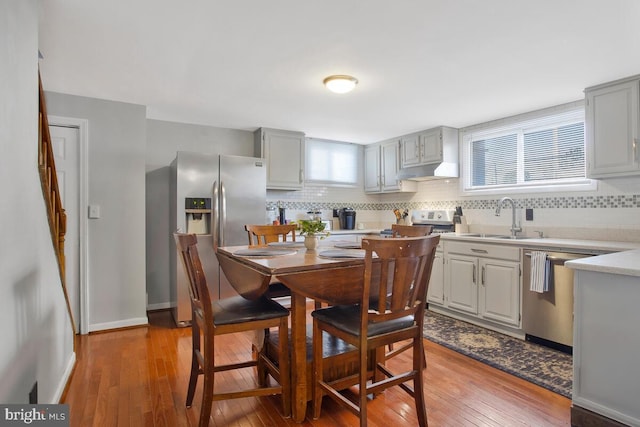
(612, 257)
(555, 244)
(625, 263)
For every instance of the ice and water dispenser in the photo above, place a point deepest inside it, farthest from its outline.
(198, 212)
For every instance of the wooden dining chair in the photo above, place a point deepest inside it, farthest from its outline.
(398, 285)
(399, 230)
(230, 315)
(262, 235)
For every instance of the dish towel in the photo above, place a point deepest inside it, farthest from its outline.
(540, 267)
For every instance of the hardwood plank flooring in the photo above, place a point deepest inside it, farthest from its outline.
(138, 377)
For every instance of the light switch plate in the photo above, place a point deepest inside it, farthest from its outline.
(94, 211)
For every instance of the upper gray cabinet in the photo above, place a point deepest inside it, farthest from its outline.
(430, 154)
(284, 154)
(422, 148)
(381, 162)
(612, 119)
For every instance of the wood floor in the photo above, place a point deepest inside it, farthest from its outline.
(138, 377)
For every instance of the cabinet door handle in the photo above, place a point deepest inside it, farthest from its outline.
(474, 273)
(479, 251)
(482, 276)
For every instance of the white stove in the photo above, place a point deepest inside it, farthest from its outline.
(441, 220)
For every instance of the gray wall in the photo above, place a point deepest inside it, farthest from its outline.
(164, 139)
(116, 241)
(37, 337)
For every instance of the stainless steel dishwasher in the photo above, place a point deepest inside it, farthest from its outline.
(547, 318)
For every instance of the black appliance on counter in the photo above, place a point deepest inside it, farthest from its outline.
(347, 218)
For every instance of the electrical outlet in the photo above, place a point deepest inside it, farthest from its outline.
(529, 214)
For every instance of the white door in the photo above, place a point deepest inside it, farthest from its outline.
(65, 142)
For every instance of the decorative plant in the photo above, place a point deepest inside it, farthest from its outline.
(309, 227)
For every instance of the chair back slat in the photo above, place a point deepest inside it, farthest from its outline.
(261, 235)
(198, 289)
(405, 268)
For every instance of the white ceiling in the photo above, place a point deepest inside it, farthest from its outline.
(243, 64)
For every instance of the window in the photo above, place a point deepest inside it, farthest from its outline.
(540, 150)
(331, 162)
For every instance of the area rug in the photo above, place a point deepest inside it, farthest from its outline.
(540, 365)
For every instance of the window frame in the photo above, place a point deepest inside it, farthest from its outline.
(524, 123)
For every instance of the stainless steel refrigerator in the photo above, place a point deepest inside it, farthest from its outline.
(213, 196)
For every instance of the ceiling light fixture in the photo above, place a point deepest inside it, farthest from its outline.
(340, 83)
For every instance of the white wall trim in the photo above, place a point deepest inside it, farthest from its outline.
(64, 380)
(159, 306)
(83, 145)
(136, 321)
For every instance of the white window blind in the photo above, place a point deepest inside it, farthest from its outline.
(546, 150)
(331, 162)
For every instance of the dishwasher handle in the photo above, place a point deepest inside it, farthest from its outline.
(560, 259)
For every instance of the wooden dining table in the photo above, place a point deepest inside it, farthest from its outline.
(308, 275)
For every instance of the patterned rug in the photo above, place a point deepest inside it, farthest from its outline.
(540, 365)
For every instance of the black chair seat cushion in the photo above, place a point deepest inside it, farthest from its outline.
(347, 319)
(239, 309)
(277, 290)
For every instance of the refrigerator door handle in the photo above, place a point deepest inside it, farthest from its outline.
(214, 217)
(222, 213)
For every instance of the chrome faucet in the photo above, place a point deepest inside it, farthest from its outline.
(515, 228)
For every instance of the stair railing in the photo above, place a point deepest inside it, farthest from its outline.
(51, 192)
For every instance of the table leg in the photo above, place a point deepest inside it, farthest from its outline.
(298, 357)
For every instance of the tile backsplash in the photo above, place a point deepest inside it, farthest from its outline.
(613, 210)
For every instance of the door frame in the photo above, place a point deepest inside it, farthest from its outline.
(83, 177)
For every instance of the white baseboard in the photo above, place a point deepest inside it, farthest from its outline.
(66, 377)
(139, 321)
(158, 306)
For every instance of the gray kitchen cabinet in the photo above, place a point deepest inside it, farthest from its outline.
(410, 150)
(284, 153)
(435, 293)
(462, 289)
(426, 147)
(381, 169)
(372, 168)
(483, 281)
(606, 346)
(612, 128)
(499, 296)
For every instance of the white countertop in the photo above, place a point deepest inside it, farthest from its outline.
(617, 257)
(626, 263)
(555, 244)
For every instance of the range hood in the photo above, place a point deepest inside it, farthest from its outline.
(444, 167)
(441, 170)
